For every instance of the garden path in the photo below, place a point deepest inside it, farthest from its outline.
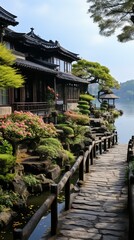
(99, 211)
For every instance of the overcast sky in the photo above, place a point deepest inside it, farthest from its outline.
(68, 22)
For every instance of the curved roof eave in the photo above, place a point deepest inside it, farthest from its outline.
(8, 17)
(70, 77)
(108, 96)
(31, 65)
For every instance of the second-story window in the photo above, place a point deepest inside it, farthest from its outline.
(63, 66)
(67, 67)
(7, 44)
(56, 61)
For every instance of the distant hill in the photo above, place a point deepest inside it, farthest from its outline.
(126, 92)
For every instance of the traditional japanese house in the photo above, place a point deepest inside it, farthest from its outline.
(46, 66)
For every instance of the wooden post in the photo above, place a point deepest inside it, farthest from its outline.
(91, 157)
(133, 140)
(81, 168)
(17, 234)
(94, 151)
(87, 160)
(105, 145)
(87, 164)
(54, 210)
(130, 155)
(109, 142)
(100, 146)
(116, 138)
(67, 190)
(113, 142)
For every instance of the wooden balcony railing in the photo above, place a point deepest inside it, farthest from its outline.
(39, 108)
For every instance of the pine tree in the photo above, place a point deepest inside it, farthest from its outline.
(111, 15)
(9, 76)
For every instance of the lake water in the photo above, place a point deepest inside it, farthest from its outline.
(125, 123)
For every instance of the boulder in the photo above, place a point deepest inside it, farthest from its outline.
(45, 182)
(53, 172)
(20, 187)
(35, 166)
(6, 217)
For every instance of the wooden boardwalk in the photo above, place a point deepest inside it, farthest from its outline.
(99, 211)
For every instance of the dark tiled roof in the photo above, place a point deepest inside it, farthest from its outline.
(70, 77)
(23, 37)
(7, 18)
(28, 64)
(31, 39)
(50, 45)
(60, 75)
(108, 96)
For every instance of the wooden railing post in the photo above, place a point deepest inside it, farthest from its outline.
(91, 157)
(130, 155)
(87, 160)
(67, 190)
(94, 151)
(105, 145)
(116, 138)
(113, 140)
(129, 151)
(17, 234)
(54, 210)
(100, 146)
(81, 168)
(109, 142)
(132, 140)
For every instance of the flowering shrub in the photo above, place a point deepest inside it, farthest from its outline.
(51, 95)
(78, 118)
(19, 126)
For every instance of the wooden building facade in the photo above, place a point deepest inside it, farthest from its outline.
(45, 65)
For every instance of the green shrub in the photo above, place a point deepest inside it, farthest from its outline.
(8, 199)
(5, 147)
(83, 129)
(104, 105)
(7, 162)
(70, 156)
(115, 113)
(67, 130)
(83, 106)
(7, 177)
(82, 102)
(51, 141)
(47, 152)
(30, 180)
(86, 97)
(61, 118)
(85, 111)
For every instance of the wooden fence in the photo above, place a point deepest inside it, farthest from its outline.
(85, 159)
(130, 159)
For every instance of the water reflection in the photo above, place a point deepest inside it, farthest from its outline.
(125, 123)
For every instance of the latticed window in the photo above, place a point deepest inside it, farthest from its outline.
(3, 97)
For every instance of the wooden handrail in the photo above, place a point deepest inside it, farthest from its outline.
(130, 159)
(82, 163)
